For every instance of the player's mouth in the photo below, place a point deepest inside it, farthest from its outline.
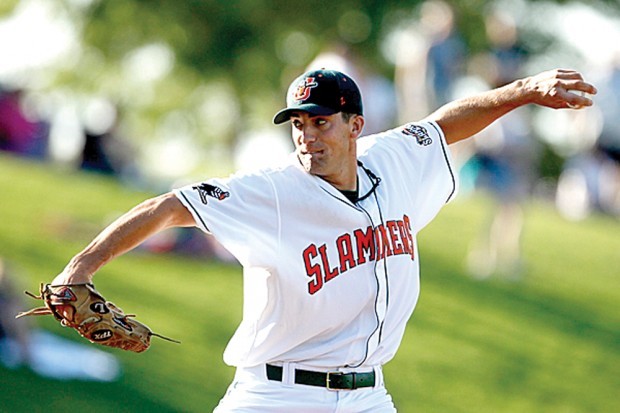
(311, 154)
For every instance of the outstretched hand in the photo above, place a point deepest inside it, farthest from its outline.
(556, 89)
(559, 89)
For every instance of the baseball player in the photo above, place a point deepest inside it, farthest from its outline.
(327, 239)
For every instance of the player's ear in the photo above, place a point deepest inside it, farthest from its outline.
(357, 125)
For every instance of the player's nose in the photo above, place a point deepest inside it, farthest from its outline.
(307, 135)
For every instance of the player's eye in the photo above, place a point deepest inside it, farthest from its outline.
(320, 122)
(296, 124)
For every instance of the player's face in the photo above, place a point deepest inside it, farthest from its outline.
(325, 146)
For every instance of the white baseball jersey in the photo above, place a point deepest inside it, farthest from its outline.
(328, 283)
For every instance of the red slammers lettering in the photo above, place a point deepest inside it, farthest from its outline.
(360, 247)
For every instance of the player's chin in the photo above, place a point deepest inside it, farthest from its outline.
(311, 167)
(311, 162)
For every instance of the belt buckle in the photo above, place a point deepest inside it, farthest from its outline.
(328, 380)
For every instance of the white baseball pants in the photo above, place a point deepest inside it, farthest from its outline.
(252, 392)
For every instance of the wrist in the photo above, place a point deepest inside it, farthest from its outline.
(68, 276)
(521, 92)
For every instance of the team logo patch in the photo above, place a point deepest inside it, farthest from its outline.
(303, 89)
(205, 190)
(419, 133)
(99, 308)
(102, 335)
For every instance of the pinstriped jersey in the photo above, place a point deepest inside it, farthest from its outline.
(327, 282)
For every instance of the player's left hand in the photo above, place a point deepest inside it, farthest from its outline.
(559, 89)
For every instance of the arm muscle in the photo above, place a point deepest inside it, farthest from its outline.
(124, 234)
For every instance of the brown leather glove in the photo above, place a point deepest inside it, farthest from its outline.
(82, 308)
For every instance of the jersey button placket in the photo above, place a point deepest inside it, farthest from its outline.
(371, 210)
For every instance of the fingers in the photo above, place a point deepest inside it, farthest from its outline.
(576, 93)
(577, 100)
(567, 89)
(579, 85)
(573, 80)
(568, 74)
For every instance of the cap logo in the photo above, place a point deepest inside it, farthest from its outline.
(303, 89)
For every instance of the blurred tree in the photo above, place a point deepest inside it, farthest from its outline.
(210, 68)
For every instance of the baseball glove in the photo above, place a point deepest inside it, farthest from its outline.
(81, 307)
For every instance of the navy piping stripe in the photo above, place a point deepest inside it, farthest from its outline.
(445, 155)
(204, 224)
(350, 204)
(379, 326)
(385, 268)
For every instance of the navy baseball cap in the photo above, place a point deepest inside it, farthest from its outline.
(321, 92)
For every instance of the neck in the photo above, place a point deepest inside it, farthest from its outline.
(345, 180)
(347, 176)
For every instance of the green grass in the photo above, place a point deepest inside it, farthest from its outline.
(549, 343)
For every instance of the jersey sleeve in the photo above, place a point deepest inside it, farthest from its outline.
(239, 211)
(417, 155)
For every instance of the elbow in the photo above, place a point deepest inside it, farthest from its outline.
(453, 134)
(177, 215)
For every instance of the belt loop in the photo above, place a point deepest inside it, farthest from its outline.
(288, 374)
(378, 377)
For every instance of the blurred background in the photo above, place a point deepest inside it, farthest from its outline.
(103, 103)
(156, 91)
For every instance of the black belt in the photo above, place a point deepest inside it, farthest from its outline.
(333, 380)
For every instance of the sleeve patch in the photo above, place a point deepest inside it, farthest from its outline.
(206, 190)
(419, 133)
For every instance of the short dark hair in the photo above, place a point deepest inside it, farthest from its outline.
(346, 116)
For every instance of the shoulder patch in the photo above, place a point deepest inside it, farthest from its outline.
(419, 133)
(206, 190)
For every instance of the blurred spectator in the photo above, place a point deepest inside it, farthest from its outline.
(504, 166)
(103, 150)
(502, 34)
(95, 156)
(609, 103)
(590, 179)
(430, 59)
(447, 53)
(188, 242)
(505, 161)
(410, 74)
(379, 96)
(18, 133)
(608, 142)
(14, 335)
